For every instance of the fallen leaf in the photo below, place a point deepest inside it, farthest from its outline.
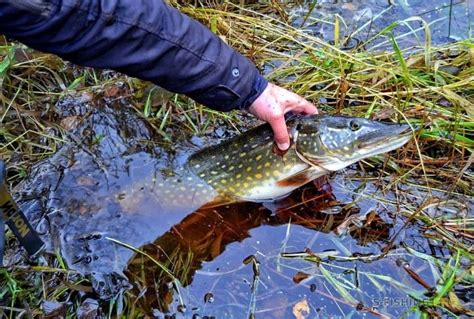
(70, 122)
(383, 114)
(299, 277)
(301, 309)
(111, 91)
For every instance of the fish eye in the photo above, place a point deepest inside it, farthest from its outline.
(354, 126)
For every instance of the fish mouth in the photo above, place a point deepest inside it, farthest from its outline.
(371, 145)
(387, 138)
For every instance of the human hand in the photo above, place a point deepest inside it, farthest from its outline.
(271, 107)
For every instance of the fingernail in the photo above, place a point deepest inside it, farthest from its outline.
(283, 146)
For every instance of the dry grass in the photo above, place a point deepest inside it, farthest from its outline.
(432, 87)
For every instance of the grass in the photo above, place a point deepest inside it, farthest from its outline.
(432, 87)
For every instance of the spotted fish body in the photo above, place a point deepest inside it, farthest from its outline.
(248, 168)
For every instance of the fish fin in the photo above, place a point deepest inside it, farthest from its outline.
(319, 162)
(298, 179)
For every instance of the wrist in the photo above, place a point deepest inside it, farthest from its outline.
(259, 85)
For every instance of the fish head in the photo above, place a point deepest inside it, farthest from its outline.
(334, 142)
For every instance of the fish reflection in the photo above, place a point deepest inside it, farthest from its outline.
(203, 235)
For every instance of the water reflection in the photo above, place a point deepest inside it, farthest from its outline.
(111, 182)
(361, 21)
(204, 235)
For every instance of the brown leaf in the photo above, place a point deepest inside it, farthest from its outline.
(344, 86)
(301, 309)
(111, 91)
(300, 276)
(370, 218)
(383, 114)
(70, 122)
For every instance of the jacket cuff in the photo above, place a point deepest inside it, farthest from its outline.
(226, 98)
(233, 82)
(259, 85)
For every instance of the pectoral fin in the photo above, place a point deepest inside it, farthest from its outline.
(301, 178)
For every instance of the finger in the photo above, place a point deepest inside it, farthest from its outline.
(280, 132)
(309, 108)
(304, 107)
(300, 105)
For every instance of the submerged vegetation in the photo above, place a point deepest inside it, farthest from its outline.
(431, 87)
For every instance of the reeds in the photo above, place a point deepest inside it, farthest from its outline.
(431, 87)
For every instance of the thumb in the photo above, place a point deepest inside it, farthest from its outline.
(280, 132)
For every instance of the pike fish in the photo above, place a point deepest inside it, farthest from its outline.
(149, 196)
(247, 167)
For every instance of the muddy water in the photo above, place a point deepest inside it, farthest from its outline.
(361, 20)
(231, 261)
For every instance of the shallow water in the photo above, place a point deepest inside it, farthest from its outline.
(361, 20)
(104, 185)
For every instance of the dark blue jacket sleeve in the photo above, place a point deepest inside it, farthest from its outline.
(143, 38)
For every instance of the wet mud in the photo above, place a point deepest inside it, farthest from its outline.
(109, 183)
